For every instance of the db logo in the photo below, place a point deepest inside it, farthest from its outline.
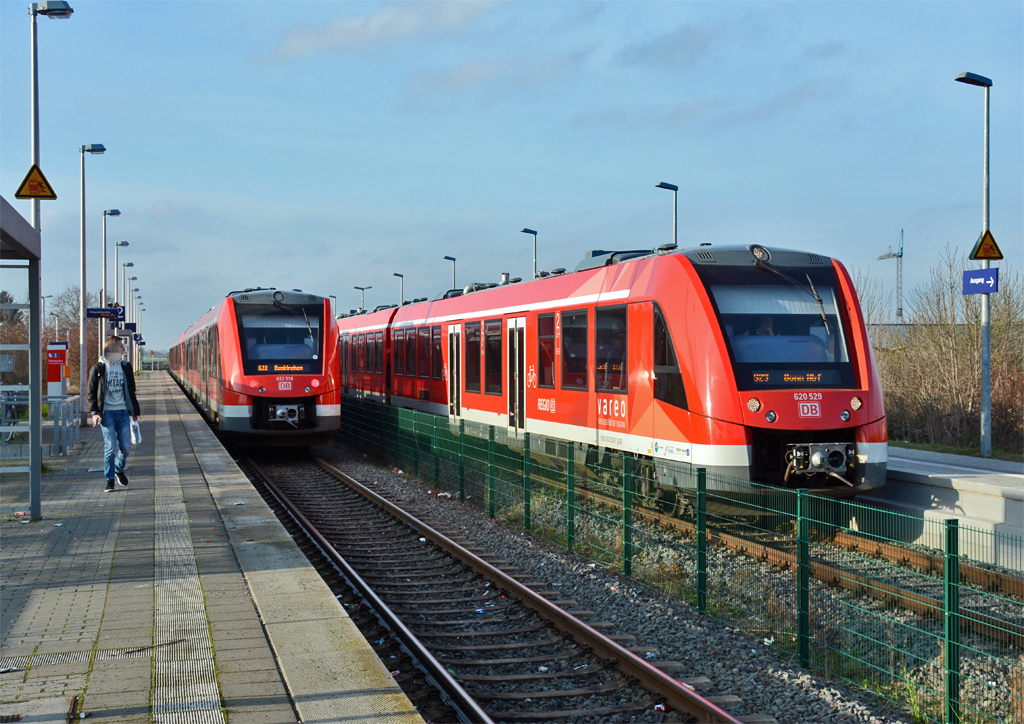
(810, 409)
(284, 385)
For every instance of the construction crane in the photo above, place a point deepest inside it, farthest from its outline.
(898, 256)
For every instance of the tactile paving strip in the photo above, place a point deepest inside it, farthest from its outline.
(185, 687)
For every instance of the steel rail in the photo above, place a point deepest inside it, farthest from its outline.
(461, 699)
(651, 678)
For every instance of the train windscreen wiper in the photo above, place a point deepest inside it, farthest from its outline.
(316, 340)
(765, 266)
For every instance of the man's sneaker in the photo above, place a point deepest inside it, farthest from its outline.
(110, 487)
(122, 479)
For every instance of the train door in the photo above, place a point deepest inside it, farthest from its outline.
(454, 370)
(517, 373)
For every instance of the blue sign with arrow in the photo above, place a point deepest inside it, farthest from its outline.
(981, 281)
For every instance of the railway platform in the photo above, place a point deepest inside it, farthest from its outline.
(984, 494)
(180, 598)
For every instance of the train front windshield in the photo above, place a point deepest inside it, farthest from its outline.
(281, 339)
(777, 334)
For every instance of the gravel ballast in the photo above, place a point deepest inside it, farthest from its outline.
(768, 680)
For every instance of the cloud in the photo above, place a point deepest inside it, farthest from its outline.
(685, 111)
(823, 51)
(683, 47)
(793, 98)
(489, 81)
(387, 24)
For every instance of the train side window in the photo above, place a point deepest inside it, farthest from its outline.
(546, 350)
(668, 379)
(362, 353)
(492, 356)
(610, 344)
(436, 361)
(472, 357)
(574, 350)
(370, 357)
(399, 347)
(410, 352)
(378, 351)
(423, 351)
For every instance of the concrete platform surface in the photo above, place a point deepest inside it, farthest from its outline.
(179, 599)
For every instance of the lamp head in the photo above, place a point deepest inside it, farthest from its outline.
(529, 231)
(53, 9)
(111, 212)
(132, 279)
(449, 258)
(974, 79)
(122, 243)
(399, 275)
(129, 263)
(670, 187)
(94, 148)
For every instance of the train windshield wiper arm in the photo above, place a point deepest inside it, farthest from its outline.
(303, 318)
(765, 266)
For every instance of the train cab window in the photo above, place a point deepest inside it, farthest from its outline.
(378, 351)
(281, 337)
(668, 379)
(546, 350)
(574, 350)
(492, 356)
(399, 347)
(410, 352)
(436, 361)
(423, 351)
(472, 365)
(610, 341)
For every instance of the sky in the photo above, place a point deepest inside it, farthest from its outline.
(325, 145)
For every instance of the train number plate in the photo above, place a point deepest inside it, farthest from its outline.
(810, 409)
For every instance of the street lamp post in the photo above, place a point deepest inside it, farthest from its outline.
(452, 260)
(55, 318)
(531, 231)
(103, 289)
(675, 209)
(986, 319)
(401, 289)
(117, 284)
(55, 10)
(43, 299)
(93, 148)
(123, 297)
(362, 297)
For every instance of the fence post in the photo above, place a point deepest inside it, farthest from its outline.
(526, 481)
(570, 497)
(462, 460)
(627, 515)
(803, 570)
(951, 615)
(490, 471)
(702, 540)
(433, 450)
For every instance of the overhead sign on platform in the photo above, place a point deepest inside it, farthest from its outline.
(137, 337)
(981, 281)
(35, 186)
(115, 313)
(130, 327)
(985, 248)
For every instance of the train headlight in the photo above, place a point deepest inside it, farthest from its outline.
(263, 389)
(770, 416)
(753, 404)
(253, 383)
(844, 415)
(308, 389)
(760, 253)
(856, 403)
(279, 297)
(316, 383)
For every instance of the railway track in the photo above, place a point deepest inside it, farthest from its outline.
(497, 646)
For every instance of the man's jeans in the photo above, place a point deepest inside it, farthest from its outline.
(115, 424)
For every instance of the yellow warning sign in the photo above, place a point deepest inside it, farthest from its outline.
(35, 186)
(985, 248)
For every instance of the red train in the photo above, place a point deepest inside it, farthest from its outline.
(751, 362)
(262, 365)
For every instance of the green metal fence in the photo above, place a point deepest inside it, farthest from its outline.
(937, 629)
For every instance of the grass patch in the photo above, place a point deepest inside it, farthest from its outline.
(997, 453)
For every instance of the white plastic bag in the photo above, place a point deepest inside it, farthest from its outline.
(136, 432)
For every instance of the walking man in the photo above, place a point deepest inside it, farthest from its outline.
(112, 403)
